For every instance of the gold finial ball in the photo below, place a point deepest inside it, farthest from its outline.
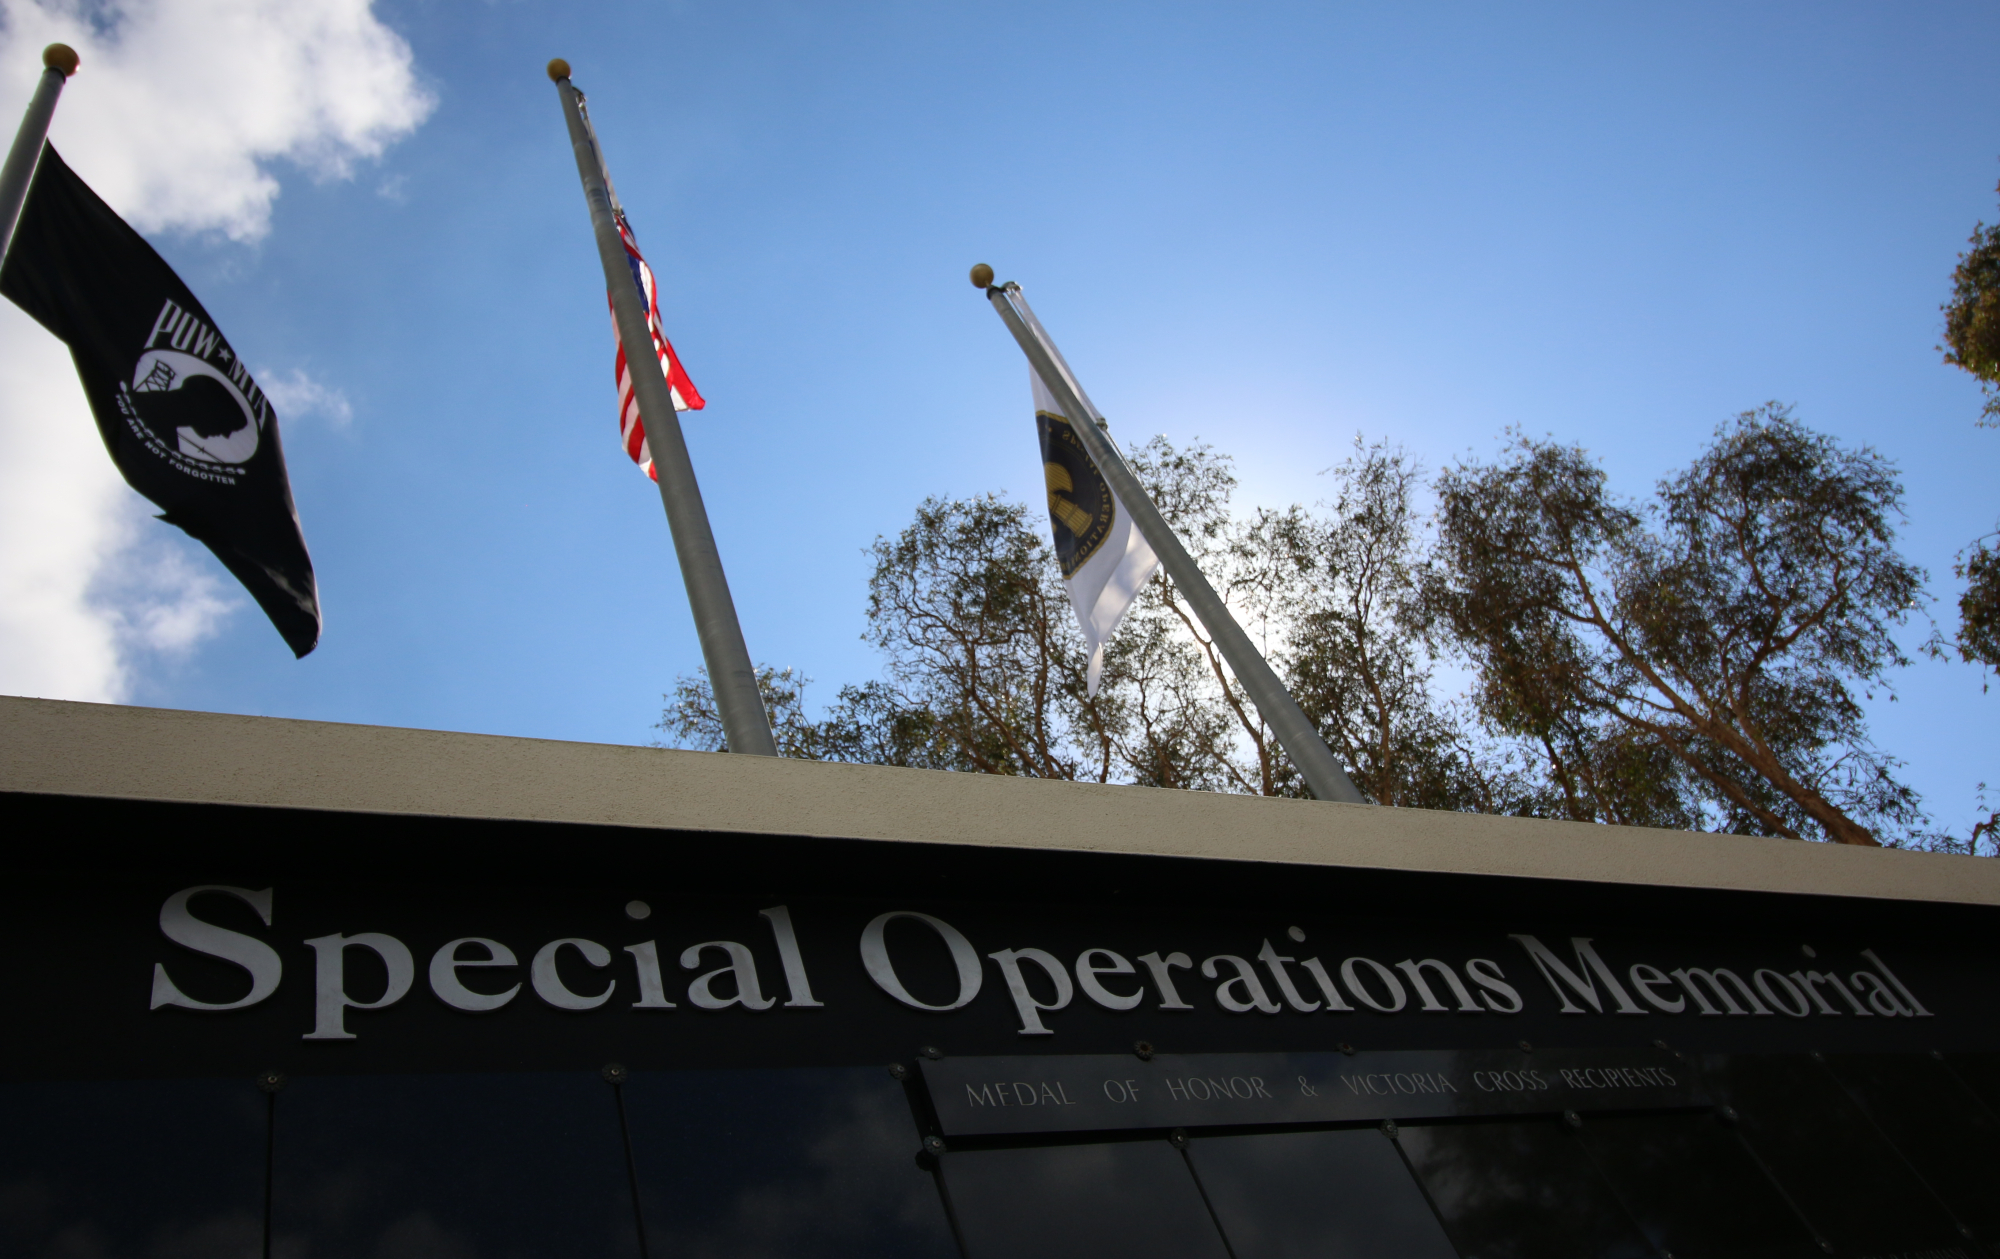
(61, 57)
(558, 70)
(982, 276)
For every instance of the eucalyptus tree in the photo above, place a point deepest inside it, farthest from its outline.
(1707, 651)
(1348, 576)
(983, 668)
(1972, 316)
(1972, 342)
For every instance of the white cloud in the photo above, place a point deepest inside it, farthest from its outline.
(180, 105)
(298, 396)
(180, 113)
(162, 598)
(63, 514)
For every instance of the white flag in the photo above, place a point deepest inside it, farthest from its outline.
(1104, 559)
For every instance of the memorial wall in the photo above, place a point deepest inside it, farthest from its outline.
(287, 988)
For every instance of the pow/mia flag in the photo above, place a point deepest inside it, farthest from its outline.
(1104, 560)
(182, 418)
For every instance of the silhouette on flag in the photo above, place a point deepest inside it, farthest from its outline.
(1104, 560)
(184, 422)
(631, 425)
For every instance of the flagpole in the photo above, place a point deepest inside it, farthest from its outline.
(1315, 761)
(745, 725)
(60, 62)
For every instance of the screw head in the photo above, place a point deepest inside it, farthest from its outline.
(1808, 950)
(1824, 1244)
(1526, 1048)
(934, 1145)
(1662, 1045)
(270, 1081)
(1347, 1049)
(1573, 1119)
(615, 1073)
(1726, 1114)
(1298, 936)
(1178, 1138)
(897, 1071)
(1143, 1048)
(1389, 1129)
(932, 1052)
(1817, 1056)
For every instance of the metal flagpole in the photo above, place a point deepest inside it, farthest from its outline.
(745, 725)
(1315, 761)
(19, 172)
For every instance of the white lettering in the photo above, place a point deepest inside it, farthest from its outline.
(1648, 978)
(548, 982)
(1792, 994)
(1713, 979)
(1276, 965)
(1334, 1001)
(1088, 969)
(1910, 1001)
(742, 967)
(169, 315)
(204, 341)
(445, 982)
(180, 925)
(1886, 1003)
(1415, 970)
(652, 986)
(1163, 980)
(330, 1000)
(798, 988)
(1009, 961)
(1811, 980)
(1252, 996)
(1397, 997)
(1487, 974)
(875, 959)
(1553, 969)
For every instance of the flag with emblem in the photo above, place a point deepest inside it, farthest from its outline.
(177, 409)
(1104, 559)
(631, 425)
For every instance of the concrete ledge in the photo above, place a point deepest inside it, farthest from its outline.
(57, 747)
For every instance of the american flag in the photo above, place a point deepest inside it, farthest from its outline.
(631, 427)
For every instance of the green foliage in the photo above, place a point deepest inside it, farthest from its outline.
(1972, 342)
(1696, 661)
(1972, 316)
(1699, 657)
(693, 721)
(984, 668)
(1355, 653)
(1979, 606)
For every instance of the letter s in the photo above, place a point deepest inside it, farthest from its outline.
(253, 955)
(1486, 973)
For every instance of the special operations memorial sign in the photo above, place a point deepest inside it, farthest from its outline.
(306, 975)
(593, 1037)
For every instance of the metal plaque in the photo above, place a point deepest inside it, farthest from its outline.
(1107, 1092)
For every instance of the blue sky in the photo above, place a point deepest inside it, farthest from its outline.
(1270, 226)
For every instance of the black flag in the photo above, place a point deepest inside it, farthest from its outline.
(184, 422)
